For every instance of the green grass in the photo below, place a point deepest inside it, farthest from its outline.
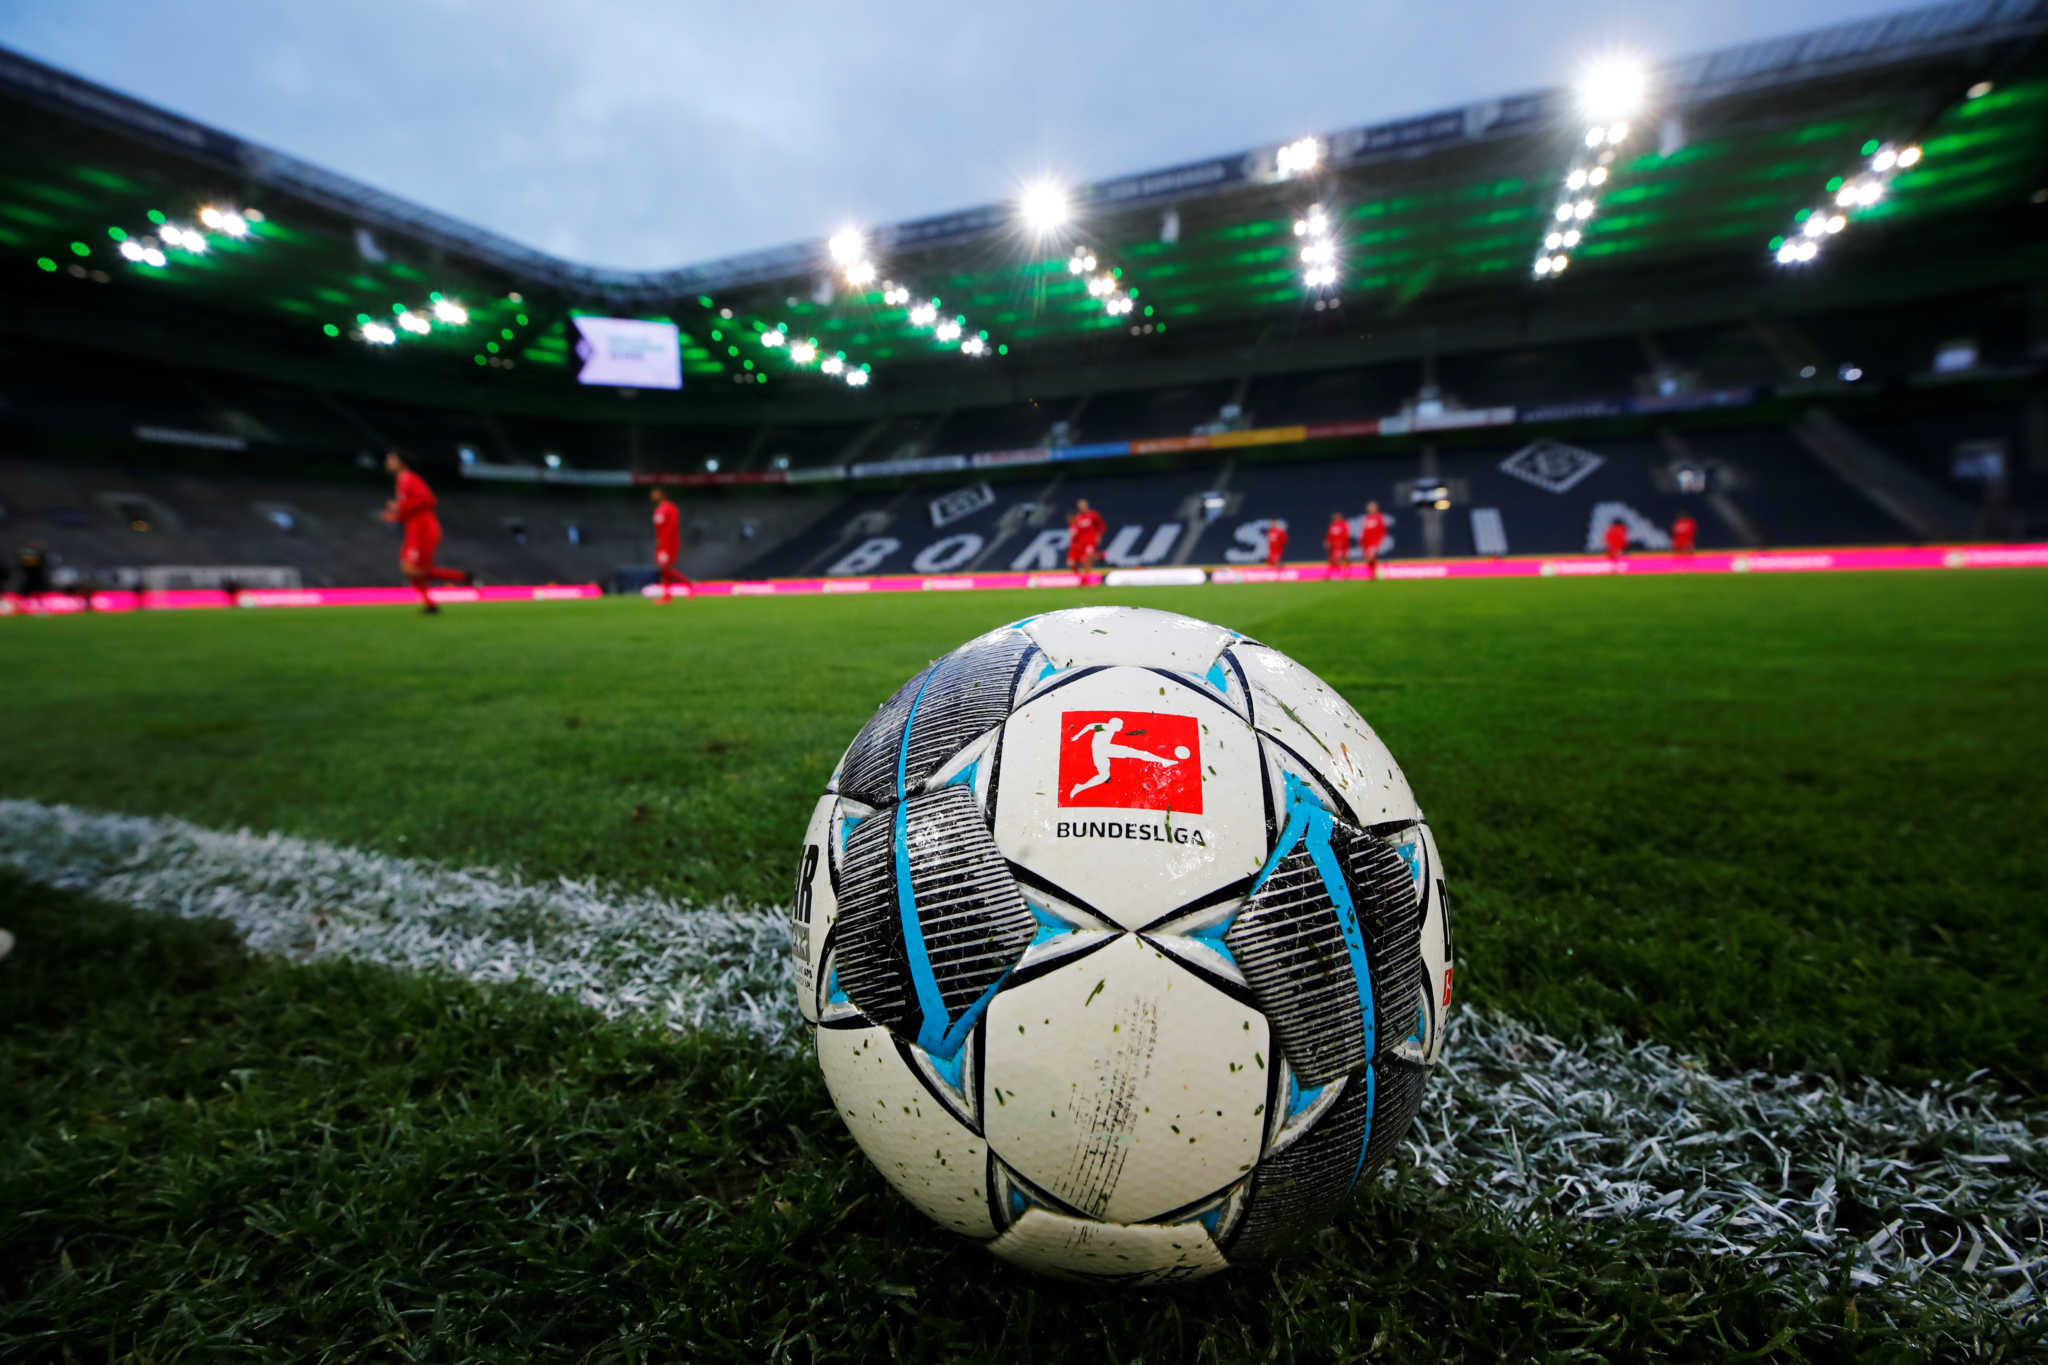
(1783, 821)
(209, 1157)
(1791, 823)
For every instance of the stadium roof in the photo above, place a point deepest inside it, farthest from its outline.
(1433, 216)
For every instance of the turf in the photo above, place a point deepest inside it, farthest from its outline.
(208, 1157)
(1788, 822)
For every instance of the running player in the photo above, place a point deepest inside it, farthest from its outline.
(1338, 540)
(1617, 540)
(413, 508)
(1276, 542)
(1084, 537)
(668, 541)
(1685, 533)
(1371, 536)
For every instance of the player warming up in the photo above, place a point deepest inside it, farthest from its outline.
(1617, 540)
(1371, 536)
(1276, 542)
(1685, 533)
(668, 542)
(1084, 537)
(413, 508)
(1338, 541)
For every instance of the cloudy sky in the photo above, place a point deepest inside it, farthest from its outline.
(648, 133)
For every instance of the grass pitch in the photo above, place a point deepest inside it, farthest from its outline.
(1790, 824)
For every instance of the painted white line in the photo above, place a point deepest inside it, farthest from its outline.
(1938, 1197)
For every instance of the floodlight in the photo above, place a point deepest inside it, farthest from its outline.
(1582, 210)
(1074, 266)
(1869, 193)
(1571, 238)
(378, 333)
(1543, 265)
(1318, 221)
(172, 234)
(1846, 197)
(832, 365)
(861, 272)
(1617, 134)
(1816, 224)
(1909, 158)
(1553, 241)
(1576, 180)
(857, 379)
(974, 346)
(1788, 253)
(1597, 176)
(1837, 222)
(1808, 250)
(1300, 226)
(1613, 88)
(554, 461)
(1595, 136)
(211, 216)
(924, 315)
(448, 311)
(1044, 207)
(803, 353)
(772, 338)
(152, 256)
(846, 246)
(1558, 263)
(1299, 157)
(413, 322)
(1885, 159)
(132, 250)
(1979, 90)
(233, 225)
(948, 330)
(1564, 213)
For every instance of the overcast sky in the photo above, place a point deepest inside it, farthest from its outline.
(649, 133)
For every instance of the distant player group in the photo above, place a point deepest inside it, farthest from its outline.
(412, 506)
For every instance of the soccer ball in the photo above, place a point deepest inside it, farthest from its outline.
(1124, 944)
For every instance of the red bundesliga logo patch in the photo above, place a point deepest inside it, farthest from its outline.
(1136, 760)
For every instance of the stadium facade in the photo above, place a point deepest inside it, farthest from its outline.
(1799, 290)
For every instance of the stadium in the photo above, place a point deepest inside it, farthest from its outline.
(1659, 464)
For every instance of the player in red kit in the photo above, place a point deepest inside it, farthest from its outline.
(413, 508)
(668, 541)
(1617, 540)
(1338, 540)
(1084, 537)
(1685, 533)
(1276, 542)
(1371, 536)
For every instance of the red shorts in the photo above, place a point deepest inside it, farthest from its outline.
(1081, 551)
(1371, 549)
(665, 556)
(422, 538)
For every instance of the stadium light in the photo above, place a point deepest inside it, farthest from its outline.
(804, 352)
(846, 247)
(1298, 157)
(551, 460)
(450, 312)
(857, 379)
(974, 345)
(924, 315)
(131, 250)
(1863, 189)
(833, 364)
(948, 330)
(378, 334)
(1613, 88)
(414, 323)
(773, 337)
(151, 256)
(1045, 207)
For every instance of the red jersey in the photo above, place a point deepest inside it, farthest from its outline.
(1085, 527)
(668, 525)
(414, 499)
(1338, 537)
(1276, 540)
(1683, 532)
(1374, 531)
(1617, 538)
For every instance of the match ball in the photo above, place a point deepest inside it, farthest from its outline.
(1123, 944)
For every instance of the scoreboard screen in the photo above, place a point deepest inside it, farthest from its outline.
(628, 353)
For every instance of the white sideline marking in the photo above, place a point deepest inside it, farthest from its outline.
(1952, 1182)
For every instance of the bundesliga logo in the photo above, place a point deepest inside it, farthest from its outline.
(1132, 760)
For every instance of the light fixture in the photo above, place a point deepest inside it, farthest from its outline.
(1613, 88)
(450, 312)
(1045, 207)
(846, 246)
(378, 334)
(833, 364)
(857, 379)
(804, 352)
(1299, 157)
(551, 460)
(772, 338)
